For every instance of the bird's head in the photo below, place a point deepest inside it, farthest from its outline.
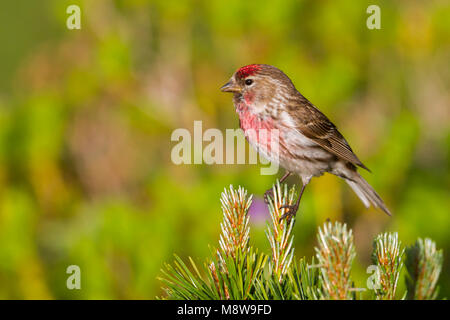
(257, 84)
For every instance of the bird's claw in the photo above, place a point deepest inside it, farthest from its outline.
(290, 213)
(267, 194)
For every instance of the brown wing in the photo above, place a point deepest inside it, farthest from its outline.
(316, 126)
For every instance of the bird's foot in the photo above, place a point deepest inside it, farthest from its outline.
(267, 194)
(290, 212)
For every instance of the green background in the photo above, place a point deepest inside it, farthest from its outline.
(86, 118)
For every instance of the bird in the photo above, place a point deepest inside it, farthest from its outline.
(307, 142)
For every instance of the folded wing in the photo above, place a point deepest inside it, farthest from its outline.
(312, 123)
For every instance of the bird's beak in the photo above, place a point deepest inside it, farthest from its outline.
(230, 86)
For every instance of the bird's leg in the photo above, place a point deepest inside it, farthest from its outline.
(292, 209)
(269, 192)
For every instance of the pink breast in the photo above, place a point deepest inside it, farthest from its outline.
(257, 130)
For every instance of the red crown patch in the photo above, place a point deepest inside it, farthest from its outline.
(248, 70)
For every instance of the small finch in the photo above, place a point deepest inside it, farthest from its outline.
(308, 143)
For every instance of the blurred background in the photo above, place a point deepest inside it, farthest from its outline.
(86, 118)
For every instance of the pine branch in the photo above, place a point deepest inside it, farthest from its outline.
(424, 264)
(240, 264)
(182, 284)
(234, 268)
(387, 255)
(305, 280)
(235, 226)
(237, 271)
(279, 232)
(335, 255)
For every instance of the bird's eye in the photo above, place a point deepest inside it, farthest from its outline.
(248, 82)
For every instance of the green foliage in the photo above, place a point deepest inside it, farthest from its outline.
(235, 227)
(233, 279)
(279, 232)
(234, 268)
(424, 265)
(237, 271)
(388, 256)
(335, 255)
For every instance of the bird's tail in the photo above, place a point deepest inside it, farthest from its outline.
(366, 193)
